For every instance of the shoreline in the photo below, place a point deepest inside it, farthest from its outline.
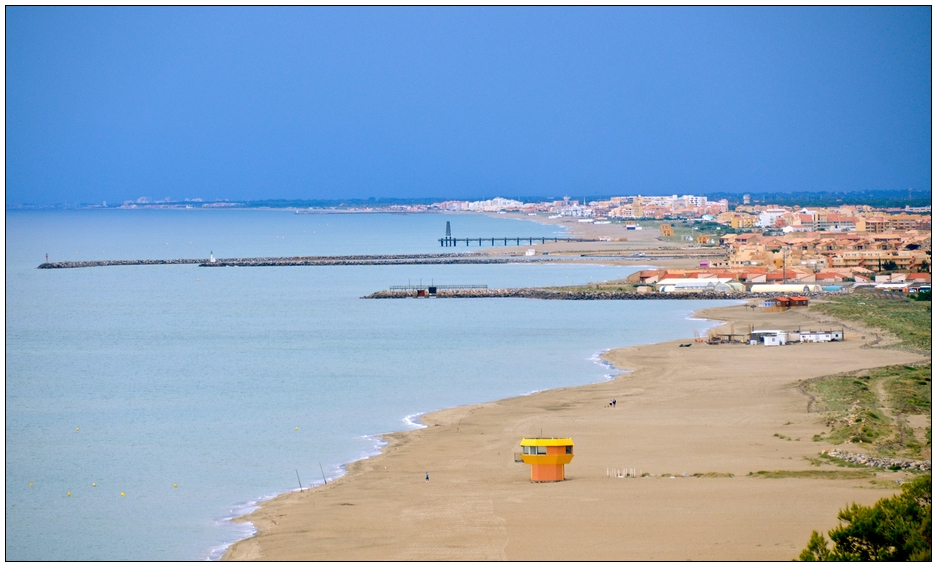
(413, 422)
(702, 416)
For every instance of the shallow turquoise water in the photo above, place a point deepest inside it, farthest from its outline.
(138, 378)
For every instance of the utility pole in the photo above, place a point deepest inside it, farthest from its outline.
(784, 264)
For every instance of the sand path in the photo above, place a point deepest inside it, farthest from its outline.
(703, 409)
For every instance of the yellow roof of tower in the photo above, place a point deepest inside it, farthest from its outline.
(546, 442)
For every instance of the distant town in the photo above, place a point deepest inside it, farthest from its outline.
(758, 242)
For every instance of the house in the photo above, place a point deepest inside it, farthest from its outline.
(829, 277)
(769, 337)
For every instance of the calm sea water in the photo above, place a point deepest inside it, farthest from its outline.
(168, 399)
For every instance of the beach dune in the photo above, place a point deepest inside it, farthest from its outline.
(706, 410)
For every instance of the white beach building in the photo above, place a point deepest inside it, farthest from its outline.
(770, 337)
(697, 285)
(786, 288)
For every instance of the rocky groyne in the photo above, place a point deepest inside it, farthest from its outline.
(98, 263)
(894, 463)
(584, 294)
(360, 260)
(378, 260)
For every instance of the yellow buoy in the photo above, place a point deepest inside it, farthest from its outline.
(30, 484)
(297, 429)
(174, 485)
(121, 493)
(93, 484)
(77, 428)
(69, 494)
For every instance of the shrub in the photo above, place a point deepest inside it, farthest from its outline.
(893, 529)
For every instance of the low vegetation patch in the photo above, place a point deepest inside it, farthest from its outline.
(829, 475)
(870, 408)
(610, 286)
(908, 387)
(882, 484)
(909, 321)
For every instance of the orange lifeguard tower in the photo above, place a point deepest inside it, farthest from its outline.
(547, 457)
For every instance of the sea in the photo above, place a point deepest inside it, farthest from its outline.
(147, 406)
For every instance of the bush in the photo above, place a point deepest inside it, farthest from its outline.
(893, 529)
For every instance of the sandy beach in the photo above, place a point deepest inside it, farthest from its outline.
(703, 409)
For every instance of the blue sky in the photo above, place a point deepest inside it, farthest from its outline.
(325, 103)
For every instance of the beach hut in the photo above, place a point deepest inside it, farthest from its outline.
(547, 457)
(776, 305)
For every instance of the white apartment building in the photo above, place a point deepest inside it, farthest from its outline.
(767, 217)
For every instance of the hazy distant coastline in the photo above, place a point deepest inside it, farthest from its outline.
(884, 198)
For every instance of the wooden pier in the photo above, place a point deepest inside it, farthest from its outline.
(504, 240)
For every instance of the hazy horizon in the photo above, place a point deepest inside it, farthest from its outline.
(251, 103)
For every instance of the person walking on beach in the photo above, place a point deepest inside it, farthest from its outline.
(427, 477)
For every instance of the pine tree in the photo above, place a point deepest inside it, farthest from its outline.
(893, 529)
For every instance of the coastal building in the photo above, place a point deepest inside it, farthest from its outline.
(767, 217)
(698, 285)
(817, 336)
(547, 457)
(786, 288)
(770, 337)
(776, 305)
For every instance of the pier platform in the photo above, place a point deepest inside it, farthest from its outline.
(447, 241)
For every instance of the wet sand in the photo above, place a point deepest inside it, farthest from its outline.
(703, 409)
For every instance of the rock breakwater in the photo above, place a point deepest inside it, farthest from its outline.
(376, 260)
(880, 462)
(360, 260)
(546, 293)
(97, 263)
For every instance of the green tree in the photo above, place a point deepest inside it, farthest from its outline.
(893, 529)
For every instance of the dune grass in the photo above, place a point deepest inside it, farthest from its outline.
(829, 475)
(909, 321)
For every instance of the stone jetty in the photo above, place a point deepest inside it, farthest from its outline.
(361, 260)
(880, 462)
(578, 294)
(379, 260)
(97, 263)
